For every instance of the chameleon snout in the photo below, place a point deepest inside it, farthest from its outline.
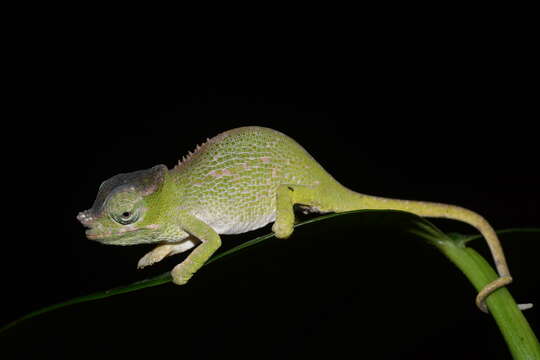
(85, 218)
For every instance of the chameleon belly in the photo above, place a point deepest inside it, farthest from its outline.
(232, 179)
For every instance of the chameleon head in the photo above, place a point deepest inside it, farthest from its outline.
(119, 215)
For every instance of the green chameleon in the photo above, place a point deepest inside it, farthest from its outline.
(239, 181)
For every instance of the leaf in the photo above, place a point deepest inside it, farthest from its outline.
(466, 238)
(404, 221)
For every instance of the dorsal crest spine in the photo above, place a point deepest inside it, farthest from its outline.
(186, 158)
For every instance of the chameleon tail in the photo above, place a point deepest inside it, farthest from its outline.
(356, 201)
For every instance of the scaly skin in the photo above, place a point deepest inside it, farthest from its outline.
(239, 181)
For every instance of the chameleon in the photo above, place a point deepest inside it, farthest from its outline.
(235, 182)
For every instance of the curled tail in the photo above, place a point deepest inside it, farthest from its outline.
(355, 201)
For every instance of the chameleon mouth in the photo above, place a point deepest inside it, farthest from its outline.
(125, 236)
(107, 236)
(93, 236)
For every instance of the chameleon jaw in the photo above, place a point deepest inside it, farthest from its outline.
(125, 236)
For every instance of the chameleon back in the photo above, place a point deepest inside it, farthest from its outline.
(230, 182)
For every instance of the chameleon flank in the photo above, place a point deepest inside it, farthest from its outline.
(236, 182)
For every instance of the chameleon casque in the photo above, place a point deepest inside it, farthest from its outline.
(239, 181)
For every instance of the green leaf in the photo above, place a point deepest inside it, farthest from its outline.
(516, 331)
(466, 238)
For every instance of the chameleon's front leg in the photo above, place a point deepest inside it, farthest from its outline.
(162, 251)
(210, 242)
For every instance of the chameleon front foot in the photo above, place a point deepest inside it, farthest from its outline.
(162, 251)
(181, 273)
(154, 256)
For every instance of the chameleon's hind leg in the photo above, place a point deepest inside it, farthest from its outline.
(287, 197)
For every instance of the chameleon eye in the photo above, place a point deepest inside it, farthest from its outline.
(126, 217)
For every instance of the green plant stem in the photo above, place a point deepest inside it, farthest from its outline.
(519, 337)
(515, 329)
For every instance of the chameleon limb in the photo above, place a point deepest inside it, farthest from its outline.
(286, 197)
(164, 250)
(211, 241)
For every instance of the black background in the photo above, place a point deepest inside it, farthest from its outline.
(435, 119)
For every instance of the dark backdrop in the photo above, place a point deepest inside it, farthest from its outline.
(438, 125)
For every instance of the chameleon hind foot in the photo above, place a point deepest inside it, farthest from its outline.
(284, 223)
(288, 195)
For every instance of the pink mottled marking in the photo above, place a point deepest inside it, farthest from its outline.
(220, 173)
